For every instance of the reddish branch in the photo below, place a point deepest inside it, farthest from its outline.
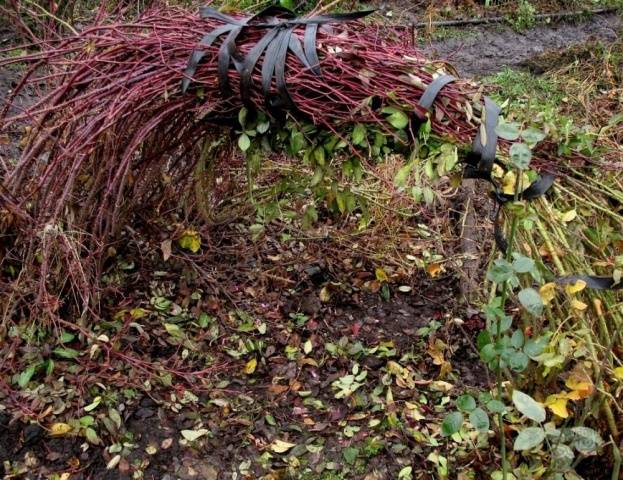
(114, 136)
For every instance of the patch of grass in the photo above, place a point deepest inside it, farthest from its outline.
(522, 17)
(523, 88)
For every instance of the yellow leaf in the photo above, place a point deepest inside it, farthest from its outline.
(279, 446)
(436, 351)
(190, 240)
(581, 390)
(138, 312)
(434, 269)
(497, 171)
(574, 395)
(509, 182)
(381, 276)
(250, 366)
(548, 292)
(580, 383)
(618, 373)
(325, 295)
(569, 216)
(576, 287)
(446, 368)
(558, 405)
(173, 329)
(60, 429)
(413, 411)
(578, 305)
(441, 386)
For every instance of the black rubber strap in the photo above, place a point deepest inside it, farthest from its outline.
(592, 281)
(225, 52)
(485, 145)
(282, 99)
(209, 12)
(479, 165)
(535, 190)
(311, 53)
(296, 47)
(197, 55)
(430, 94)
(249, 63)
(275, 45)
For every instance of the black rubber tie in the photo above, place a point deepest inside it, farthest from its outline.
(275, 46)
(430, 94)
(592, 281)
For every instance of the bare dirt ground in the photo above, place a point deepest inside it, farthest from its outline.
(487, 49)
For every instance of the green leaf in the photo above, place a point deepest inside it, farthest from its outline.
(517, 339)
(562, 455)
(400, 180)
(359, 134)
(319, 155)
(528, 406)
(507, 131)
(532, 135)
(204, 320)
(534, 348)
(479, 419)
(531, 301)
(500, 271)
(297, 141)
(263, 127)
(466, 403)
(49, 366)
(91, 436)
(523, 264)
(93, 405)
(495, 406)
(520, 155)
(405, 473)
(242, 116)
(586, 440)
(397, 118)
(173, 329)
(350, 454)
(317, 177)
(24, 377)
(66, 352)
(309, 217)
(451, 424)
(67, 337)
(244, 142)
(115, 417)
(518, 361)
(483, 338)
(529, 438)
(488, 352)
(87, 421)
(289, 4)
(484, 397)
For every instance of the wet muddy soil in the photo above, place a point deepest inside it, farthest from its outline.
(487, 49)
